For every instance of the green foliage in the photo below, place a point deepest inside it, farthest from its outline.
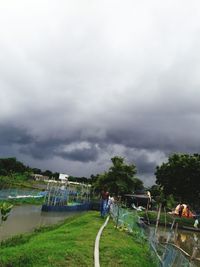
(180, 176)
(5, 209)
(47, 173)
(119, 179)
(171, 203)
(55, 175)
(15, 180)
(4, 182)
(158, 195)
(36, 171)
(11, 165)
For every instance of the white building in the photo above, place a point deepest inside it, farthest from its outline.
(40, 177)
(63, 177)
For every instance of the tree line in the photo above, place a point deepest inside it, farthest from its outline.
(176, 180)
(10, 166)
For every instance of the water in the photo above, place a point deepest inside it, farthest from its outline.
(186, 240)
(25, 218)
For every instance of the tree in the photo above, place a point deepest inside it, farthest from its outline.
(120, 178)
(5, 209)
(36, 171)
(11, 165)
(180, 176)
(55, 175)
(47, 173)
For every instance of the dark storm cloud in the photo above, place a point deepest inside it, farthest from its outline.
(144, 166)
(38, 151)
(43, 150)
(66, 149)
(155, 139)
(10, 134)
(78, 85)
(83, 155)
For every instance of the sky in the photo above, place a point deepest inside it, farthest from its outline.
(83, 81)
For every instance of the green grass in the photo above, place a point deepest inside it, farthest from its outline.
(72, 243)
(19, 180)
(118, 249)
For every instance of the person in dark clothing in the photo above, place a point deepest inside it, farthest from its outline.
(104, 202)
(180, 211)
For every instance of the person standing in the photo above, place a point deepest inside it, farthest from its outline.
(180, 210)
(104, 202)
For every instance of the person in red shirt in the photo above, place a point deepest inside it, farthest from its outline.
(104, 202)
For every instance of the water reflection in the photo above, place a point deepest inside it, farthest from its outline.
(27, 217)
(186, 240)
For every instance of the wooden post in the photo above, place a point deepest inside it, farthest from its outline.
(117, 216)
(194, 253)
(165, 218)
(158, 217)
(170, 232)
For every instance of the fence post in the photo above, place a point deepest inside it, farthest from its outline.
(158, 217)
(194, 253)
(117, 216)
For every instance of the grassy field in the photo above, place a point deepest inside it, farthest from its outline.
(71, 244)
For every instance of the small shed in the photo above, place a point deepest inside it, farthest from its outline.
(138, 199)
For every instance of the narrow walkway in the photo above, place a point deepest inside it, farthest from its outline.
(96, 247)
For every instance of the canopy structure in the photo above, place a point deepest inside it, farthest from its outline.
(138, 199)
(183, 210)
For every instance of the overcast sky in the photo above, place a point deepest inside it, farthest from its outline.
(82, 81)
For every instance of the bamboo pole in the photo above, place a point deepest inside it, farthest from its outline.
(117, 216)
(183, 251)
(147, 209)
(165, 217)
(170, 233)
(158, 218)
(194, 253)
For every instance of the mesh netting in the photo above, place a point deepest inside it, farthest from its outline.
(124, 218)
(166, 254)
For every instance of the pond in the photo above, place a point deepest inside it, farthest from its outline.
(25, 218)
(186, 240)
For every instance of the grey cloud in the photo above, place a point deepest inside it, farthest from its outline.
(54, 147)
(83, 155)
(144, 165)
(10, 134)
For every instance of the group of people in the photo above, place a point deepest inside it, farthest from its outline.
(106, 202)
(183, 210)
